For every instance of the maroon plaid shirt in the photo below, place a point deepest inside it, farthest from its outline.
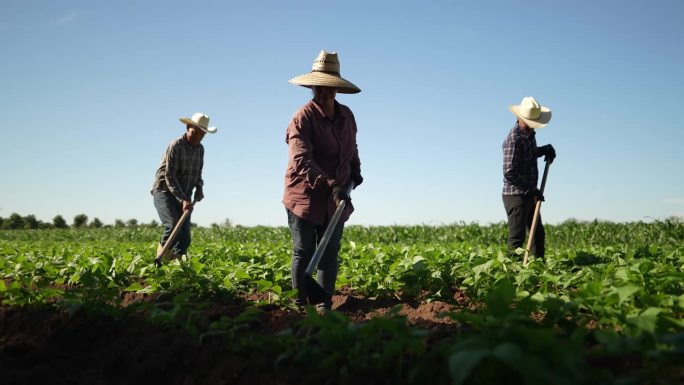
(322, 152)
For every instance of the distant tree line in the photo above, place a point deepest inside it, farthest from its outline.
(16, 221)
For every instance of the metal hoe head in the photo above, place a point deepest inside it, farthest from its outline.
(315, 294)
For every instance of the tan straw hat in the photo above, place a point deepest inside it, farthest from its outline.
(326, 72)
(200, 121)
(535, 115)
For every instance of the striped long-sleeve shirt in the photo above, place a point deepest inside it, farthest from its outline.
(519, 162)
(180, 169)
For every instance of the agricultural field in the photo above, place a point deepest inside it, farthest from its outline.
(414, 305)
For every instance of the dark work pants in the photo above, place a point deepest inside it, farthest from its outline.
(305, 237)
(170, 211)
(520, 212)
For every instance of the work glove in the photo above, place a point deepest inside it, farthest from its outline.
(199, 194)
(548, 151)
(340, 194)
(357, 179)
(535, 193)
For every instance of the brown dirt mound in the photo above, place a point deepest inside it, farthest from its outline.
(44, 345)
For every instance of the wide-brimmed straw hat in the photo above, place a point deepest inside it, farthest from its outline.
(200, 121)
(326, 72)
(534, 114)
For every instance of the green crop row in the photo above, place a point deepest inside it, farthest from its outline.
(604, 289)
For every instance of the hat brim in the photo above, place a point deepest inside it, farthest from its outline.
(322, 79)
(211, 130)
(541, 122)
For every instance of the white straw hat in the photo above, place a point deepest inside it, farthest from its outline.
(200, 121)
(326, 72)
(535, 115)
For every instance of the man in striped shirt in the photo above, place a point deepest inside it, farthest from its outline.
(179, 172)
(520, 192)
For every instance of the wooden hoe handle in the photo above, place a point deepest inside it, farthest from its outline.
(535, 219)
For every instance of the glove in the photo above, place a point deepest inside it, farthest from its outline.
(357, 179)
(199, 194)
(548, 151)
(535, 193)
(340, 194)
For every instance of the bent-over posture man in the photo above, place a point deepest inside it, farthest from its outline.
(179, 173)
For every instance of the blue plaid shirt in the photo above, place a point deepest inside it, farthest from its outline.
(519, 162)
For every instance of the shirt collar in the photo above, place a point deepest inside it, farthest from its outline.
(186, 142)
(320, 110)
(520, 131)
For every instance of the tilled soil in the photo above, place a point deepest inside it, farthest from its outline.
(48, 346)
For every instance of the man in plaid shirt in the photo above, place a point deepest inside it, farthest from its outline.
(520, 192)
(179, 172)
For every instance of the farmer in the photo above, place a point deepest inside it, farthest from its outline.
(520, 192)
(323, 161)
(179, 172)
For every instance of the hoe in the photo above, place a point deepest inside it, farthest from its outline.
(315, 293)
(535, 219)
(167, 245)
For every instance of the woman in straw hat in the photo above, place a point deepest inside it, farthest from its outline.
(323, 162)
(520, 192)
(179, 172)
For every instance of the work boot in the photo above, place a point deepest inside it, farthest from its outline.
(323, 310)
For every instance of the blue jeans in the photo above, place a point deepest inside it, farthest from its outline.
(170, 211)
(305, 237)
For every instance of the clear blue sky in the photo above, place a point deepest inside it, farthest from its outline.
(92, 93)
